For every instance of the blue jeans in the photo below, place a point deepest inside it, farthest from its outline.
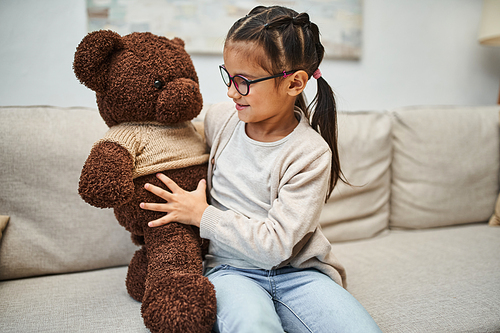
(286, 299)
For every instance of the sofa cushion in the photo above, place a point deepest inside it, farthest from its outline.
(495, 218)
(445, 165)
(361, 210)
(52, 230)
(431, 280)
(95, 301)
(3, 223)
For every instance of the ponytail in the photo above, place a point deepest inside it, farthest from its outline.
(324, 121)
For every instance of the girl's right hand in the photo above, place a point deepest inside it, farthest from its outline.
(181, 206)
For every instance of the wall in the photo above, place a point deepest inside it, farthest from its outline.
(414, 52)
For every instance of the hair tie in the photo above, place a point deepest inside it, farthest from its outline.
(317, 74)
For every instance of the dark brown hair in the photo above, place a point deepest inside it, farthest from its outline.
(291, 42)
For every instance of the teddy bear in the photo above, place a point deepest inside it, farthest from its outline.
(147, 94)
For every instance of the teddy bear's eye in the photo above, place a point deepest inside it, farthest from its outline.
(158, 84)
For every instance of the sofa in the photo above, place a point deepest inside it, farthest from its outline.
(417, 229)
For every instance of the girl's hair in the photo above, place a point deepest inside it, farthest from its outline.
(291, 42)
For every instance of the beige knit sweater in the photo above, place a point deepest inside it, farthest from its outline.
(157, 147)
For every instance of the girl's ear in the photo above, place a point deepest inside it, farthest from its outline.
(297, 83)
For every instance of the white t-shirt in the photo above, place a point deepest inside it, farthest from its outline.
(246, 188)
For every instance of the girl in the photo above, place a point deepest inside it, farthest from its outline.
(270, 172)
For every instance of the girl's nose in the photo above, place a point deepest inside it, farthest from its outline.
(232, 92)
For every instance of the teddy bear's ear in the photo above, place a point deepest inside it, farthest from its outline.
(93, 56)
(178, 41)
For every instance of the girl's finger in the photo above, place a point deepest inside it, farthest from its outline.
(202, 186)
(155, 207)
(159, 222)
(169, 182)
(158, 191)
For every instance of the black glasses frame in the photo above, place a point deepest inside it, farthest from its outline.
(248, 82)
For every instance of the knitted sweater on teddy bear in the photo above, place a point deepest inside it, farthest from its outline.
(157, 147)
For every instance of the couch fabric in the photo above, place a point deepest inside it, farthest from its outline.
(495, 218)
(412, 231)
(439, 152)
(365, 149)
(429, 280)
(3, 223)
(52, 230)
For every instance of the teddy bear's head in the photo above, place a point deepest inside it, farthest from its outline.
(139, 77)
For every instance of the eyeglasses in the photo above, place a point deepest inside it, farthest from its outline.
(242, 84)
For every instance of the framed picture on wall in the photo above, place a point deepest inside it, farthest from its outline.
(203, 24)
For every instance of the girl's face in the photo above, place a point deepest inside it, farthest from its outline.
(267, 104)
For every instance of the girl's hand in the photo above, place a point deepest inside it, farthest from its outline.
(181, 206)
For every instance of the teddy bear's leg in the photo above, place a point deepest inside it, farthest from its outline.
(136, 275)
(137, 240)
(178, 297)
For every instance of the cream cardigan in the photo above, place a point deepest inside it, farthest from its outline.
(291, 234)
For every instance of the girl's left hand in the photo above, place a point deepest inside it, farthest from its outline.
(181, 206)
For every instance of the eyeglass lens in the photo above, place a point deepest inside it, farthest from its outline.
(239, 83)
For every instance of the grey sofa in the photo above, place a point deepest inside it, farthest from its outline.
(412, 231)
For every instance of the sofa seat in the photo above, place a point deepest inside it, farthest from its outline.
(432, 280)
(93, 301)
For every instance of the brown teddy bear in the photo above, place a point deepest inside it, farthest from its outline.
(147, 93)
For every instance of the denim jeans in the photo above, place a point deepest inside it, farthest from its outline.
(284, 300)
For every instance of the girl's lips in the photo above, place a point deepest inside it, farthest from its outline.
(240, 107)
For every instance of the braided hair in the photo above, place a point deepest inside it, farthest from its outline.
(291, 42)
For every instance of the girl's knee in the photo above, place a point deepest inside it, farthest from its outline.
(243, 305)
(251, 314)
(255, 321)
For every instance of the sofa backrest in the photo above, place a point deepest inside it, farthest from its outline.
(445, 168)
(51, 230)
(414, 168)
(361, 209)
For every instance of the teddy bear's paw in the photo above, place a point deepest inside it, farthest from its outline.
(107, 176)
(180, 303)
(136, 275)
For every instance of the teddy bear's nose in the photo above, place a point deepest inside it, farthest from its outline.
(158, 84)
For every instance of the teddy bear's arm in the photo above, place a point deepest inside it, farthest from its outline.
(106, 179)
